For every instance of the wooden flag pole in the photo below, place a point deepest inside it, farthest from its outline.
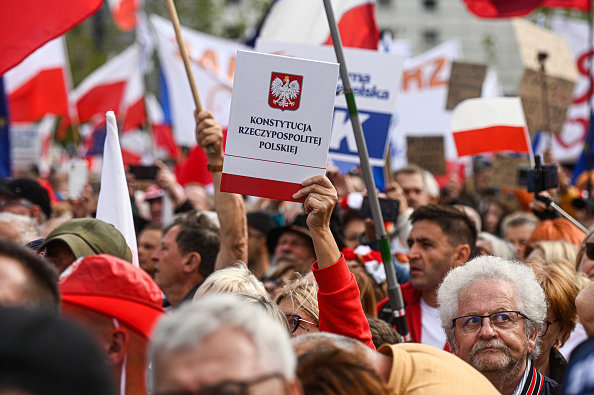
(186, 58)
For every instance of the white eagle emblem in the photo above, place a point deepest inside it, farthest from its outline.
(284, 92)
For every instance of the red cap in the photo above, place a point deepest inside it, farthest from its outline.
(115, 288)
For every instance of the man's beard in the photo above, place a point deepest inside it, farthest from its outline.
(487, 362)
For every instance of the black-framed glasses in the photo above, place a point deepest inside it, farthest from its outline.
(545, 327)
(590, 250)
(295, 320)
(229, 387)
(499, 320)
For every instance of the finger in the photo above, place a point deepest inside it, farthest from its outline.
(316, 189)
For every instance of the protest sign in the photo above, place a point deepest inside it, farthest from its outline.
(427, 152)
(545, 97)
(375, 79)
(505, 171)
(280, 122)
(466, 82)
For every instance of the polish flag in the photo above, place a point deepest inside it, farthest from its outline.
(117, 86)
(39, 86)
(114, 204)
(515, 8)
(490, 125)
(305, 22)
(163, 141)
(26, 25)
(124, 13)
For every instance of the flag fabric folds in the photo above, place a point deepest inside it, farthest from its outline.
(39, 85)
(490, 125)
(26, 25)
(123, 13)
(114, 204)
(305, 22)
(118, 86)
(515, 8)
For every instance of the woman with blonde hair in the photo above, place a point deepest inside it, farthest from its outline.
(552, 250)
(232, 279)
(299, 301)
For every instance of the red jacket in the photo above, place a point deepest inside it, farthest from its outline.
(339, 301)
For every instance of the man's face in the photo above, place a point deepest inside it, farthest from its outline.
(414, 189)
(58, 253)
(156, 209)
(430, 255)
(226, 355)
(294, 245)
(519, 236)
(148, 242)
(168, 260)
(491, 349)
(13, 279)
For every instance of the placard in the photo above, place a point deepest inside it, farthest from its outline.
(505, 171)
(466, 82)
(427, 152)
(280, 122)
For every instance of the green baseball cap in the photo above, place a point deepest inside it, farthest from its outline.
(90, 236)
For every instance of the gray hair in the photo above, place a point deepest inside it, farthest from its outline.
(518, 218)
(28, 229)
(530, 301)
(499, 247)
(192, 323)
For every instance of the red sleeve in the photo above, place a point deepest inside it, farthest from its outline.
(339, 301)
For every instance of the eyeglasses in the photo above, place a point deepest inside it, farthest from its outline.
(295, 320)
(590, 251)
(499, 320)
(229, 387)
(545, 327)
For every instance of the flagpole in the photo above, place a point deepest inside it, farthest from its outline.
(588, 147)
(394, 292)
(185, 57)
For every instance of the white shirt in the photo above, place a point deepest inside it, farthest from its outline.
(432, 333)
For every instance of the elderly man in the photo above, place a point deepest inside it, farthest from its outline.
(26, 197)
(492, 311)
(222, 345)
(442, 238)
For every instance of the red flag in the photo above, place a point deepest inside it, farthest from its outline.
(501, 8)
(38, 86)
(582, 5)
(124, 13)
(26, 25)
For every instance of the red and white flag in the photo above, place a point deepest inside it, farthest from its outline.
(305, 22)
(490, 125)
(39, 85)
(26, 25)
(515, 8)
(117, 86)
(114, 204)
(123, 13)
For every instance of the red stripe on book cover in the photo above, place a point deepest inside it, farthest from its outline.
(260, 187)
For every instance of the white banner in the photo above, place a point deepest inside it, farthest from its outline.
(213, 64)
(375, 79)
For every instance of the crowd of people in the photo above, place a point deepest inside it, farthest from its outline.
(239, 295)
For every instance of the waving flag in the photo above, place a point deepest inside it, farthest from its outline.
(490, 125)
(38, 86)
(117, 86)
(509, 9)
(114, 205)
(26, 25)
(124, 13)
(305, 22)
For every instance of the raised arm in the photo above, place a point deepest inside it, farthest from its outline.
(339, 299)
(229, 206)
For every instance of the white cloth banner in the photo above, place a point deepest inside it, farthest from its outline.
(114, 204)
(213, 64)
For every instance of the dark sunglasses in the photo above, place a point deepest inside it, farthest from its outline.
(590, 251)
(295, 320)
